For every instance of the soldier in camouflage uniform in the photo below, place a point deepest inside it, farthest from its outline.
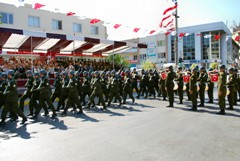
(162, 82)
(97, 91)
(202, 79)
(179, 80)
(3, 85)
(86, 87)
(210, 87)
(114, 89)
(135, 82)
(127, 88)
(231, 87)
(11, 102)
(27, 93)
(151, 85)
(187, 86)
(65, 90)
(193, 89)
(35, 94)
(144, 84)
(235, 74)
(57, 87)
(222, 90)
(73, 96)
(45, 94)
(170, 85)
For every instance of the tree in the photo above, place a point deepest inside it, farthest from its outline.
(193, 65)
(118, 59)
(214, 65)
(148, 65)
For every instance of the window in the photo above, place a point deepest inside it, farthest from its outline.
(189, 47)
(215, 45)
(161, 43)
(56, 24)
(33, 21)
(161, 55)
(135, 57)
(143, 56)
(94, 30)
(6, 18)
(77, 27)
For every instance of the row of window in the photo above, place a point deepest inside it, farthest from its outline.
(34, 21)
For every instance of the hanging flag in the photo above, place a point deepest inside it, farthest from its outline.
(117, 26)
(182, 34)
(198, 34)
(237, 38)
(163, 75)
(136, 30)
(207, 36)
(151, 32)
(38, 5)
(70, 13)
(170, 9)
(169, 23)
(173, 33)
(95, 20)
(167, 33)
(217, 37)
(165, 18)
(214, 77)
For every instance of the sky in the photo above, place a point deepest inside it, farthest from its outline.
(143, 14)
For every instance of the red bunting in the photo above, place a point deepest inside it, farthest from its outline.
(170, 22)
(182, 34)
(117, 26)
(95, 20)
(151, 32)
(161, 24)
(237, 38)
(167, 33)
(38, 5)
(198, 34)
(136, 29)
(70, 13)
(217, 37)
(170, 9)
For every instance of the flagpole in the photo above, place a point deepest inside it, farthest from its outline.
(176, 39)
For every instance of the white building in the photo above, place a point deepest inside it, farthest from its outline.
(203, 44)
(27, 18)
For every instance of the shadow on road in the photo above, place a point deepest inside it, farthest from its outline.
(12, 130)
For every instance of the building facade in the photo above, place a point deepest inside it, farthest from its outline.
(27, 18)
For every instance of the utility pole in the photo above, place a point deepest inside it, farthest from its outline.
(176, 39)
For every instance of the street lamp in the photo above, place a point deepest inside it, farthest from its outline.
(176, 39)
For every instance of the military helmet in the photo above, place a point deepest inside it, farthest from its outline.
(72, 72)
(170, 67)
(43, 72)
(210, 69)
(64, 74)
(108, 72)
(179, 68)
(96, 72)
(113, 72)
(4, 75)
(36, 74)
(236, 70)
(127, 71)
(231, 69)
(11, 72)
(103, 73)
(85, 73)
(202, 68)
(194, 69)
(76, 73)
(29, 72)
(222, 67)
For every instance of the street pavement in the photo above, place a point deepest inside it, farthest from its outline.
(144, 131)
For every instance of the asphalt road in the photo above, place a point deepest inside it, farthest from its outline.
(145, 131)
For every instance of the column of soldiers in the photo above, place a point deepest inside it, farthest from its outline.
(108, 86)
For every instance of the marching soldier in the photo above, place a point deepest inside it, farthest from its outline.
(86, 87)
(45, 94)
(210, 85)
(27, 93)
(170, 85)
(202, 79)
(193, 89)
(97, 91)
(114, 89)
(65, 90)
(162, 82)
(235, 74)
(104, 84)
(135, 82)
(73, 96)
(35, 94)
(11, 102)
(143, 84)
(3, 85)
(187, 85)
(151, 85)
(179, 80)
(222, 90)
(231, 86)
(127, 89)
(57, 87)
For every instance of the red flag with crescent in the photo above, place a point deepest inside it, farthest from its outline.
(164, 76)
(214, 77)
(186, 78)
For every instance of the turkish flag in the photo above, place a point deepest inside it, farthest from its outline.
(136, 29)
(164, 76)
(186, 78)
(151, 32)
(117, 26)
(214, 77)
(217, 37)
(95, 20)
(237, 38)
(38, 5)
(70, 13)
(182, 34)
